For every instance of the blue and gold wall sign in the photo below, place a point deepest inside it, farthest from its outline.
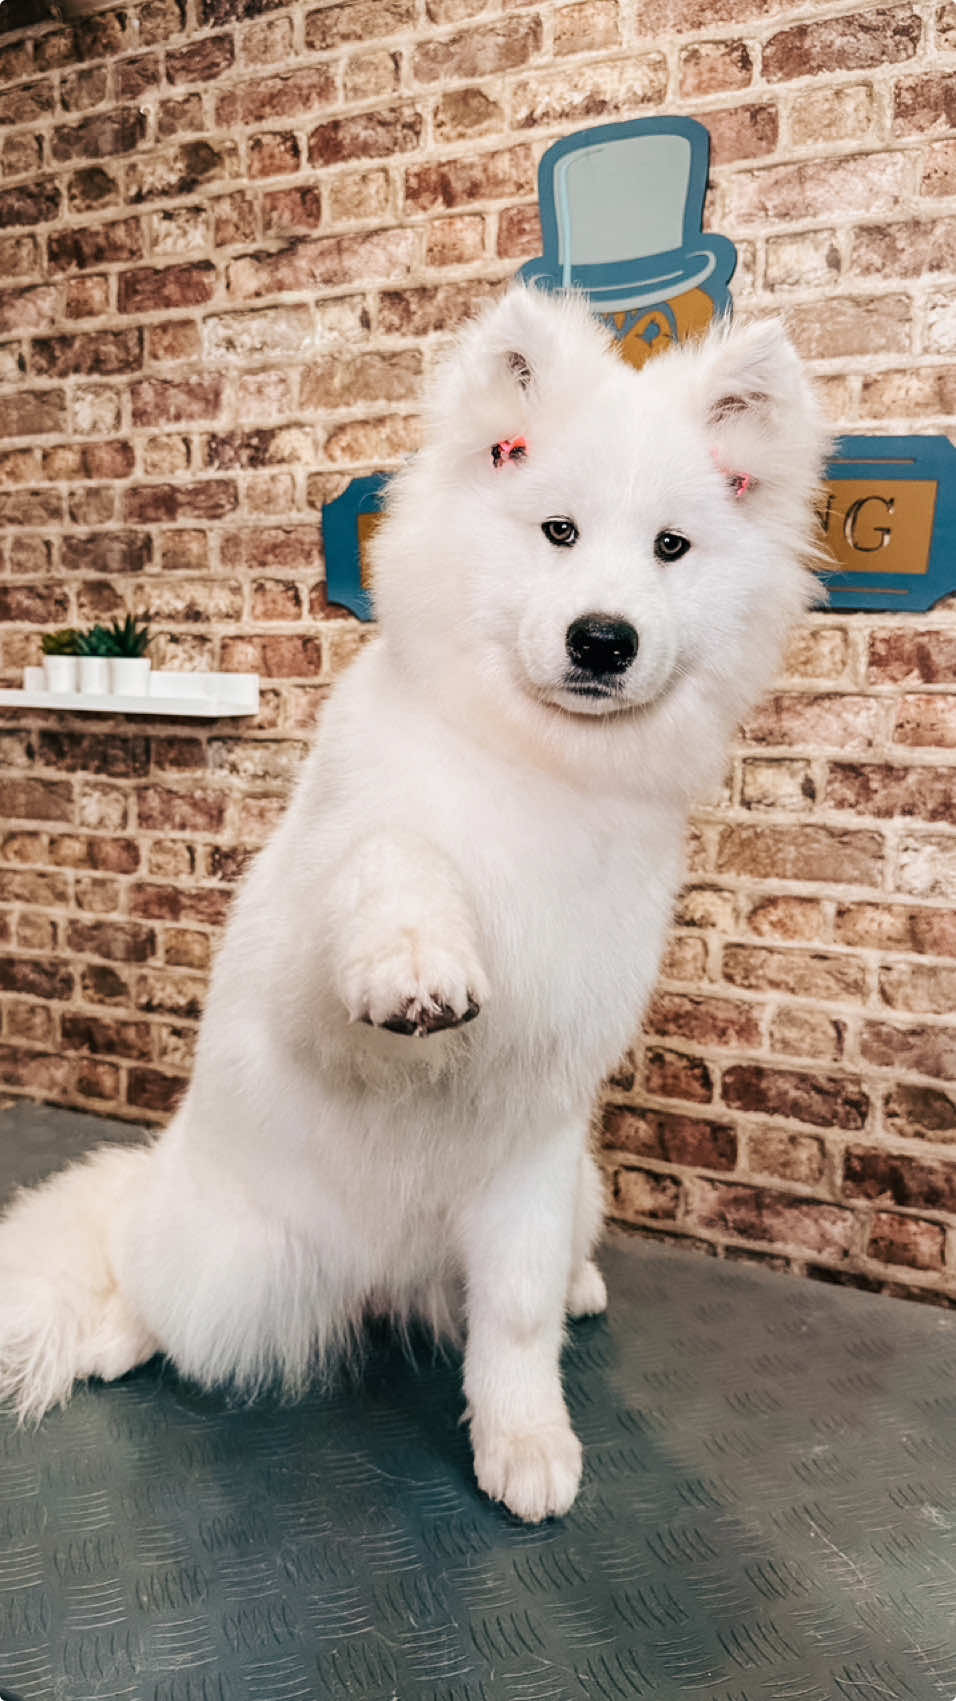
(889, 521)
(621, 218)
(347, 527)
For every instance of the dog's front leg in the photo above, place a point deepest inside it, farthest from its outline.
(404, 937)
(517, 1252)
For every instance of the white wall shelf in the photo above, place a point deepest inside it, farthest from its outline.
(201, 696)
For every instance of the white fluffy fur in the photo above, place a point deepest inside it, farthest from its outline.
(464, 829)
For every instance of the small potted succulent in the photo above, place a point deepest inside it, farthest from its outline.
(129, 663)
(95, 647)
(60, 650)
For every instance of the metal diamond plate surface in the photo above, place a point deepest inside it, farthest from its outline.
(768, 1514)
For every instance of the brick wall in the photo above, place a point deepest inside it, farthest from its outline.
(234, 235)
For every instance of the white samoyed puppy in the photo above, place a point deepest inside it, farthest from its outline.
(583, 581)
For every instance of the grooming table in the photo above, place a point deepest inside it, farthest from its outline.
(768, 1513)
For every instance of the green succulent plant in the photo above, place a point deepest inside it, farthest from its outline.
(66, 642)
(98, 641)
(129, 638)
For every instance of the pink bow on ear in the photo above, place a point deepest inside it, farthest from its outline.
(739, 483)
(509, 449)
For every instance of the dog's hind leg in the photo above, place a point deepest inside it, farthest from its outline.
(587, 1294)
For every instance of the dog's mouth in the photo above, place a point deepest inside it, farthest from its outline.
(586, 698)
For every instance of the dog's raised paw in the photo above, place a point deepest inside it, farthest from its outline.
(428, 1016)
(415, 987)
(535, 1474)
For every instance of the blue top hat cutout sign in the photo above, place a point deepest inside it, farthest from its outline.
(621, 214)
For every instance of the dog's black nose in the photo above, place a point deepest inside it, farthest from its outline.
(597, 643)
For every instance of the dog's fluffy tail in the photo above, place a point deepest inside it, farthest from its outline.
(62, 1315)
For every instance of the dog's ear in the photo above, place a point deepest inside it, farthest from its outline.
(509, 364)
(760, 412)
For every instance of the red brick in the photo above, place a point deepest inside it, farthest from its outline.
(121, 942)
(95, 245)
(26, 103)
(180, 170)
(116, 754)
(706, 1021)
(897, 1178)
(711, 67)
(743, 132)
(146, 289)
(801, 853)
(939, 173)
(283, 95)
(466, 112)
(89, 352)
(919, 987)
(365, 257)
(36, 977)
(901, 656)
(101, 984)
(924, 103)
(158, 401)
(187, 949)
(586, 27)
(371, 76)
(178, 903)
(825, 1101)
(483, 177)
(285, 657)
(169, 994)
(201, 60)
(37, 800)
(669, 1137)
(884, 790)
(444, 307)
(924, 1050)
(145, 504)
(792, 1157)
(856, 42)
(275, 155)
(805, 974)
(786, 918)
(105, 1036)
(33, 886)
(117, 132)
(368, 135)
(36, 203)
(162, 810)
(912, 1241)
(32, 413)
(926, 721)
(802, 1032)
(869, 186)
(106, 552)
(762, 1214)
(672, 1074)
(135, 76)
(338, 381)
(150, 1089)
(920, 1113)
(357, 20)
(644, 1193)
(34, 605)
(495, 47)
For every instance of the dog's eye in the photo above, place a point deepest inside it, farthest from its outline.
(670, 546)
(560, 531)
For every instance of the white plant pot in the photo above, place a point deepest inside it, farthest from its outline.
(59, 673)
(129, 676)
(94, 675)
